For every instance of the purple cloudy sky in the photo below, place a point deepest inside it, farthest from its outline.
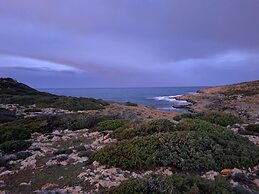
(127, 43)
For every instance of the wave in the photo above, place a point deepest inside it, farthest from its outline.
(172, 99)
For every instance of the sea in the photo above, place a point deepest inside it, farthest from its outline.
(162, 98)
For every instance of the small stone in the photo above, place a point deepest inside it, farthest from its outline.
(7, 172)
(134, 175)
(64, 163)
(210, 175)
(256, 182)
(49, 186)
(95, 163)
(25, 184)
(167, 172)
(83, 174)
(236, 171)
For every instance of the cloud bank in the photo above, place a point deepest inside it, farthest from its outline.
(129, 43)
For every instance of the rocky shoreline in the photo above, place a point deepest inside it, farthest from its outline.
(241, 100)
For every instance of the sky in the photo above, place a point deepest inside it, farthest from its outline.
(129, 43)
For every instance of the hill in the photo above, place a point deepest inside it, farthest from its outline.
(13, 92)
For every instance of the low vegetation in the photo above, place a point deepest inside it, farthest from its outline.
(253, 128)
(137, 153)
(198, 145)
(111, 125)
(14, 146)
(143, 128)
(7, 115)
(219, 118)
(23, 128)
(178, 184)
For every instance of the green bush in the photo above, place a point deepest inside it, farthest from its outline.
(253, 128)
(111, 125)
(125, 133)
(73, 103)
(21, 129)
(203, 151)
(137, 153)
(14, 146)
(203, 126)
(176, 184)
(143, 128)
(77, 121)
(219, 118)
(183, 150)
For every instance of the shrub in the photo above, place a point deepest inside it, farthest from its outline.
(160, 125)
(143, 128)
(204, 151)
(203, 126)
(253, 128)
(125, 133)
(137, 153)
(14, 146)
(178, 184)
(111, 125)
(219, 118)
(184, 150)
(73, 103)
(76, 121)
(21, 129)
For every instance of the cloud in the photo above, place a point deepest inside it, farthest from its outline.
(229, 59)
(8, 61)
(131, 42)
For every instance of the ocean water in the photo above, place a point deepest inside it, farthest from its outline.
(162, 98)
